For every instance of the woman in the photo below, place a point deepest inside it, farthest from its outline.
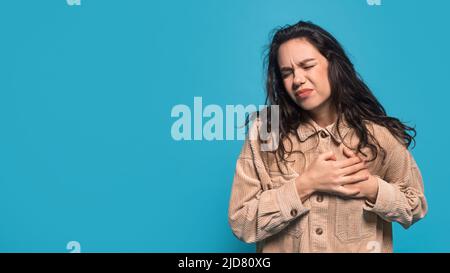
(342, 172)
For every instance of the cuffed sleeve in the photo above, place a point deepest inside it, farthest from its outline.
(289, 201)
(400, 195)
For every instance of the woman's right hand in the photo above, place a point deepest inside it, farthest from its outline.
(326, 174)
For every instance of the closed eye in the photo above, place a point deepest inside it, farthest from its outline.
(308, 67)
(285, 74)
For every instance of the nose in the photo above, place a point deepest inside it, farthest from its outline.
(299, 79)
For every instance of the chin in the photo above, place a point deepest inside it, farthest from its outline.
(308, 106)
(312, 104)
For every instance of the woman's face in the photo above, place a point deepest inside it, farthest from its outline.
(305, 74)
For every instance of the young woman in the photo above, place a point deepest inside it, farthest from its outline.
(342, 172)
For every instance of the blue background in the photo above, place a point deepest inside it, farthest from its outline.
(86, 94)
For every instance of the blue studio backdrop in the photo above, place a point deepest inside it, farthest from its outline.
(88, 161)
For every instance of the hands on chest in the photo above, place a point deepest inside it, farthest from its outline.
(348, 177)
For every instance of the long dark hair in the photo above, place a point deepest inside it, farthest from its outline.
(350, 96)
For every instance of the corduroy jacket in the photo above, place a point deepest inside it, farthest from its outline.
(265, 207)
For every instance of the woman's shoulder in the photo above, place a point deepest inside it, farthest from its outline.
(384, 136)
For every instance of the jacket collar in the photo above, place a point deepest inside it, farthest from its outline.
(310, 128)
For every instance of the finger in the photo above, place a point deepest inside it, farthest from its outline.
(353, 169)
(328, 156)
(343, 191)
(348, 162)
(351, 179)
(348, 153)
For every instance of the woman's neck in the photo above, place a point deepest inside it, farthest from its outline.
(324, 115)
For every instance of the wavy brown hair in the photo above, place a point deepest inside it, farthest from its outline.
(350, 96)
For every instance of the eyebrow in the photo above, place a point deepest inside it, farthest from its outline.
(303, 62)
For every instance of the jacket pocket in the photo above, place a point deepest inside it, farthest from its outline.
(353, 223)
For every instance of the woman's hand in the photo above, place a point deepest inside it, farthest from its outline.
(368, 188)
(325, 174)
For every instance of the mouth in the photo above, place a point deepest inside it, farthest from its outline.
(303, 93)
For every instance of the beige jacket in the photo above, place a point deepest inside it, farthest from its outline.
(265, 207)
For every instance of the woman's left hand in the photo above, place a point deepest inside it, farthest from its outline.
(368, 188)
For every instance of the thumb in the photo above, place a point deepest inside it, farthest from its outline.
(329, 156)
(348, 152)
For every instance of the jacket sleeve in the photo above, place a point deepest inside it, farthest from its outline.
(400, 192)
(257, 211)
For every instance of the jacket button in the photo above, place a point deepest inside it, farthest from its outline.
(293, 212)
(323, 134)
(319, 198)
(319, 231)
